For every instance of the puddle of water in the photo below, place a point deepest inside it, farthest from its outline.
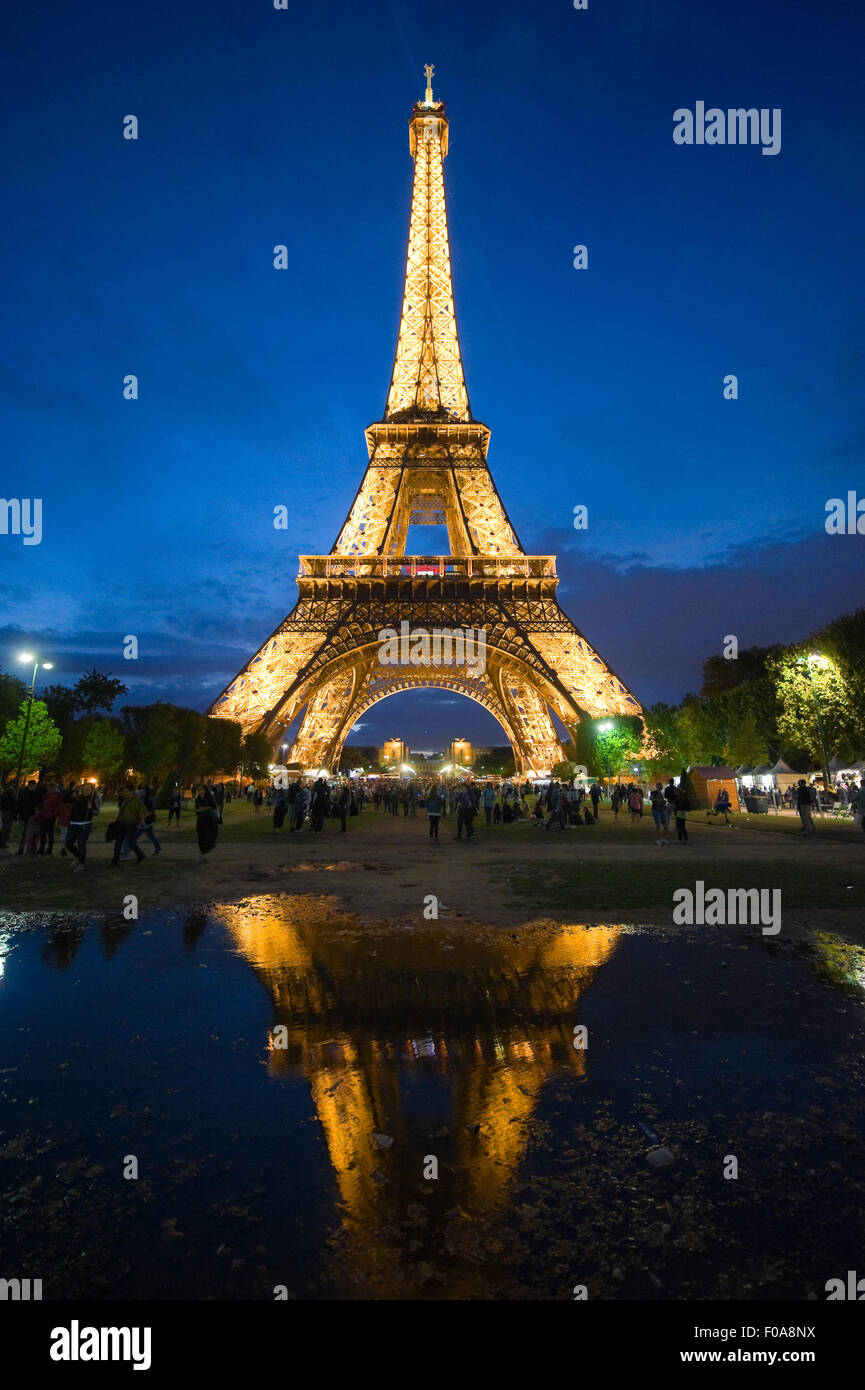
(289, 1085)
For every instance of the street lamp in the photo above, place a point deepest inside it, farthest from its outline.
(46, 666)
(811, 660)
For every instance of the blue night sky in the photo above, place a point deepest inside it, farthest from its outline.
(601, 387)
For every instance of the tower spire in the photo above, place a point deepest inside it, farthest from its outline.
(428, 372)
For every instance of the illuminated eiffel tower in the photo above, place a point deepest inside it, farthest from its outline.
(427, 466)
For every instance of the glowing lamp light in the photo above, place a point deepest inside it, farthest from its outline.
(26, 656)
(48, 666)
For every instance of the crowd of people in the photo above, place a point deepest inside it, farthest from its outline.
(47, 813)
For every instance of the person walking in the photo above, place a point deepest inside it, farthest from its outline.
(722, 805)
(805, 806)
(435, 804)
(81, 812)
(635, 802)
(489, 800)
(146, 795)
(174, 806)
(615, 801)
(595, 794)
(131, 815)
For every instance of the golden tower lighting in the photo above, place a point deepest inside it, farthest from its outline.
(427, 466)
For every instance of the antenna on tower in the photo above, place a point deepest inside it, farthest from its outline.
(429, 70)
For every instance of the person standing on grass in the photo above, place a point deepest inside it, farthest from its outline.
(64, 814)
(48, 813)
(81, 812)
(635, 802)
(319, 804)
(659, 814)
(206, 819)
(340, 806)
(8, 803)
(300, 805)
(682, 807)
(435, 804)
(29, 801)
(670, 798)
(805, 806)
(174, 805)
(595, 794)
(489, 800)
(466, 814)
(857, 801)
(280, 806)
(615, 801)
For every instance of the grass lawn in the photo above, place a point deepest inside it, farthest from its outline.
(384, 866)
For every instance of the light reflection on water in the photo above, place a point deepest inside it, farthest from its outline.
(490, 1019)
(289, 1075)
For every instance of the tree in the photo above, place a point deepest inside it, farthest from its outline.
(257, 755)
(192, 759)
(797, 721)
(614, 749)
(95, 693)
(103, 749)
(498, 759)
(158, 744)
(722, 673)
(62, 706)
(746, 744)
(358, 755)
(43, 738)
(662, 730)
(222, 744)
(12, 692)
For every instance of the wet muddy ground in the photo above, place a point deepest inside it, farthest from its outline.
(345, 1109)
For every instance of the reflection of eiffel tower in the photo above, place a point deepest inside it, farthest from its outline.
(489, 1023)
(427, 466)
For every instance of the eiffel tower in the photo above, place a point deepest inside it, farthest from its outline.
(427, 466)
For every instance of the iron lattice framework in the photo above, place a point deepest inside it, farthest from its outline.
(427, 466)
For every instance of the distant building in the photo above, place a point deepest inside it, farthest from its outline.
(394, 754)
(459, 753)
